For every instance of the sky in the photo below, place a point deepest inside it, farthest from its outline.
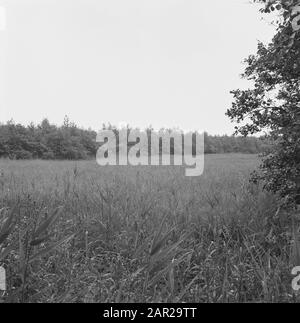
(165, 63)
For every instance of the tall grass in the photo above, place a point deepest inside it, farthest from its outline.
(76, 232)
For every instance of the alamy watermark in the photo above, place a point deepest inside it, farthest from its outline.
(296, 279)
(2, 279)
(135, 147)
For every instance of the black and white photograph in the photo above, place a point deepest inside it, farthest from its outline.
(149, 154)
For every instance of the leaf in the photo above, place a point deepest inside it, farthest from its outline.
(49, 221)
(171, 280)
(141, 248)
(156, 237)
(1, 212)
(159, 244)
(168, 250)
(50, 248)
(4, 253)
(38, 241)
(7, 226)
(189, 285)
(163, 272)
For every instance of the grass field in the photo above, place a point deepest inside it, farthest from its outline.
(144, 234)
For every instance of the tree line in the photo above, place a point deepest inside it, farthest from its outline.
(70, 142)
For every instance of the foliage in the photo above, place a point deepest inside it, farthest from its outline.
(273, 104)
(46, 141)
(143, 235)
(68, 142)
(31, 235)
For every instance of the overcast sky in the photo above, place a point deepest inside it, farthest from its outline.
(161, 62)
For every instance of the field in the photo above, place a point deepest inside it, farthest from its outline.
(144, 234)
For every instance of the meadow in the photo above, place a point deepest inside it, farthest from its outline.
(143, 234)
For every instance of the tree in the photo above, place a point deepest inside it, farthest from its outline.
(273, 104)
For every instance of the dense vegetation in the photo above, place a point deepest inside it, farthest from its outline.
(48, 141)
(273, 103)
(72, 231)
(77, 232)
